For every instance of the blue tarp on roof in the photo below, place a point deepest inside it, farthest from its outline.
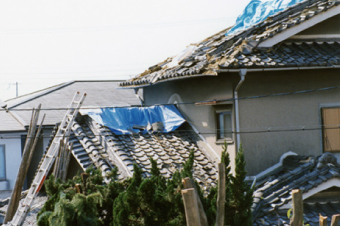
(122, 120)
(259, 10)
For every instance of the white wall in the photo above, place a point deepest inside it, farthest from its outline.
(12, 142)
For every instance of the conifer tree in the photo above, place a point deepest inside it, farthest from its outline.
(241, 193)
(229, 209)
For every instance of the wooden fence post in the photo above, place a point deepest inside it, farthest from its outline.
(34, 143)
(221, 195)
(19, 182)
(322, 220)
(335, 220)
(190, 183)
(297, 219)
(191, 207)
(67, 161)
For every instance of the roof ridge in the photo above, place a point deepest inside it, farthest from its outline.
(40, 93)
(53, 88)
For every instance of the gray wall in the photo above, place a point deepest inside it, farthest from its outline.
(289, 112)
(284, 113)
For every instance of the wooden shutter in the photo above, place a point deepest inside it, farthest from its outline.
(331, 131)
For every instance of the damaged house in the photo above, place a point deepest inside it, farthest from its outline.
(274, 86)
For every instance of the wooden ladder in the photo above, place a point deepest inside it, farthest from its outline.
(48, 160)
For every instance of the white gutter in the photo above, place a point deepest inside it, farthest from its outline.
(277, 69)
(242, 74)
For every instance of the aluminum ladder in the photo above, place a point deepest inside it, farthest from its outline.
(48, 159)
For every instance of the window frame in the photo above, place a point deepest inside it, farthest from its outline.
(4, 156)
(220, 110)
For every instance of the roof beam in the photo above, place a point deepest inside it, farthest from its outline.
(300, 27)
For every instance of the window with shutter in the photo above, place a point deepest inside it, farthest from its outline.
(331, 129)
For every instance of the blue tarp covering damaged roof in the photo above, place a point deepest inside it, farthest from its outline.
(125, 120)
(259, 10)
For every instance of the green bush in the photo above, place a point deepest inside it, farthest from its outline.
(152, 201)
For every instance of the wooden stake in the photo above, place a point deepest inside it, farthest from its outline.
(67, 161)
(322, 220)
(221, 195)
(335, 220)
(19, 182)
(297, 219)
(190, 183)
(191, 207)
(78, 187)
(57, 160)
(35, 143)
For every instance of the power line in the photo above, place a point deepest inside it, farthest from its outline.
(213, 131)
(269, 130)
(199, 103)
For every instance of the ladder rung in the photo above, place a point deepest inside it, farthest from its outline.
(30, 196)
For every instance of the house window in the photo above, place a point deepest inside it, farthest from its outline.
(331, 129)
(224, 125)
(2, 163)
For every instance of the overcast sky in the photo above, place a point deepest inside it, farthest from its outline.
(44, 43)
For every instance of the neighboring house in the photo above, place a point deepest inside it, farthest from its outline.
(317, 177)
(54, 102)
(273, 87)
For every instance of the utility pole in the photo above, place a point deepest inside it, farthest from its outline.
(16, 88)
(17, 92)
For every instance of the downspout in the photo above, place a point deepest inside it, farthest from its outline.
(242, 74)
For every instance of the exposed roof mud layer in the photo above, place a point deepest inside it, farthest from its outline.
(248, 48)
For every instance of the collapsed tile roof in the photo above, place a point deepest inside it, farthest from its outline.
(272, 195)
(240, 50)
(94, 144)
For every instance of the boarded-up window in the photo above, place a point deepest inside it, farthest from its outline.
(331, 129)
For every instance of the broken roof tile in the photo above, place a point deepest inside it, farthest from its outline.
(275, 193)
(224, 50)
(169, 150)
